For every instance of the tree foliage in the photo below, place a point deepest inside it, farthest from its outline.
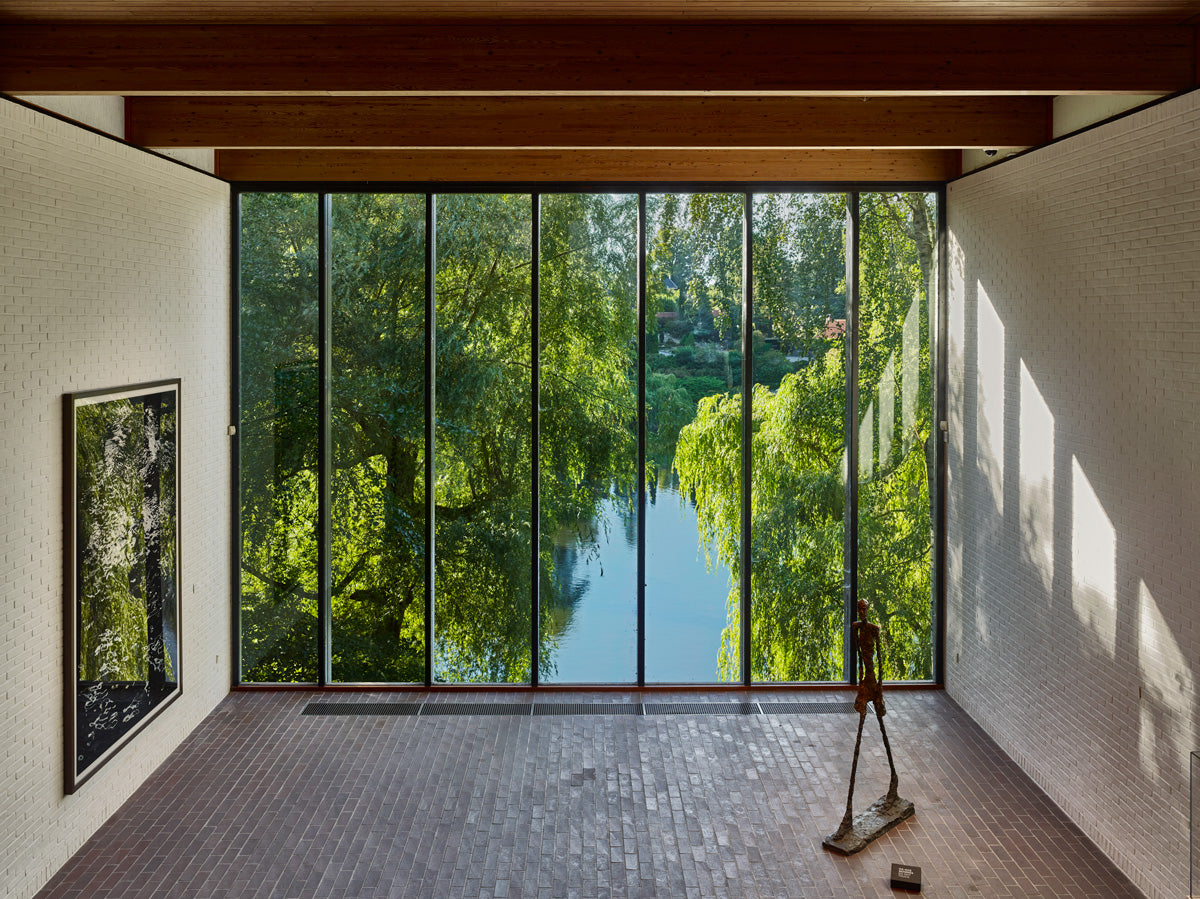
(798, 445)
(586, 356)
(125, 485)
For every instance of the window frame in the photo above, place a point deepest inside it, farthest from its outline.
(324, 191)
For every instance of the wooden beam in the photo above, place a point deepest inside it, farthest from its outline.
(945, 122)
(345, 12)
(525, 59)
(588, 166)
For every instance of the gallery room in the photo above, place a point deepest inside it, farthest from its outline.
(520, 449)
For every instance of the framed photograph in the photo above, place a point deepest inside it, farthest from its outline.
(121, 548)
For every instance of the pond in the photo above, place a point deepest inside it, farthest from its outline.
(685, 601)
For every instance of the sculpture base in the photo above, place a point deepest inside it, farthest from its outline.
(881, 817)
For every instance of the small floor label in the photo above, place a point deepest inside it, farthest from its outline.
(906, 877)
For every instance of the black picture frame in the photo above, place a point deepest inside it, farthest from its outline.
(121, 542)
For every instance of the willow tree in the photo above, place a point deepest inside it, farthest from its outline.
(798, 469)
(482, 492)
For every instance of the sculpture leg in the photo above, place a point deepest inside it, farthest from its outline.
(848, 819)
(892, 787)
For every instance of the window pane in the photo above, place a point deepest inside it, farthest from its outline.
(588, 438)
(693, 437)
(483, 460)
(378, 429)
(896, 438)
(798, 477)
(278, 428)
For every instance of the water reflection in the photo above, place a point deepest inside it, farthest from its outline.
(685, 603)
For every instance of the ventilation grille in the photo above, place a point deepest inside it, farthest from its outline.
(362, 708)
(587, 708)
(553, 709)
(807, 708)
(701, 708)
(475, 708)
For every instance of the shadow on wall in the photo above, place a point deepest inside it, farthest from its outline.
(1071, 509)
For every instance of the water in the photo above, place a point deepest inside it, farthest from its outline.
(685, 603)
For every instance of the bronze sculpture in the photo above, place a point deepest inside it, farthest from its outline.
(889, 810)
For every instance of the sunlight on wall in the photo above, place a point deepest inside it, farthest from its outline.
(990, 427)
(866, 443)
(1169, 690)
(910, 371)
(887, 410)
(1037, 477)
(1093, 561)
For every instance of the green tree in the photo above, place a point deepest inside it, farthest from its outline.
(798, 457)
(125, 482)
(378, 431)
(483, 474)
(896, 468)
(587, 399)
(278, 436)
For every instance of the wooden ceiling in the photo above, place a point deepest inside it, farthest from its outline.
(350, 12)
(594, 90)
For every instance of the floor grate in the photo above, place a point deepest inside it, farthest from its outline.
(362, 708)
(701, 708)
(549, 709)
(475, 708)
(807, 708)
(587, 708)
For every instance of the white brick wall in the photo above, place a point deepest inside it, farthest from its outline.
(1074, 492)
(113, 270)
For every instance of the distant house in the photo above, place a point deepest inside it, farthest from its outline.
(834, 328)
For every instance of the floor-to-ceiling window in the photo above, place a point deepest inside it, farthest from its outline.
(694, 282)
(277, 436)
(797, 563)
(897, 451)
(483, 503)
(587, 437)
(583, 437)
(377, 410)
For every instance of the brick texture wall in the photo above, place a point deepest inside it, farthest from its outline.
(1074, 487)
(113, 270)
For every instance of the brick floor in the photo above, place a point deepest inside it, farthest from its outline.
(264, 802)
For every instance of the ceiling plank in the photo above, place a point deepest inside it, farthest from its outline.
(331, 12)
(588, 166)
(524, 59)
(586, 121)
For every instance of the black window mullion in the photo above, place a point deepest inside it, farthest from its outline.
(747, 423)
(937, 359)
(430, 421)
(235, 399)
(535, 423)
(641, 440)
(324, 437)
(850, 550)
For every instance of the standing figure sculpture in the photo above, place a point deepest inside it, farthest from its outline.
(889, 810)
